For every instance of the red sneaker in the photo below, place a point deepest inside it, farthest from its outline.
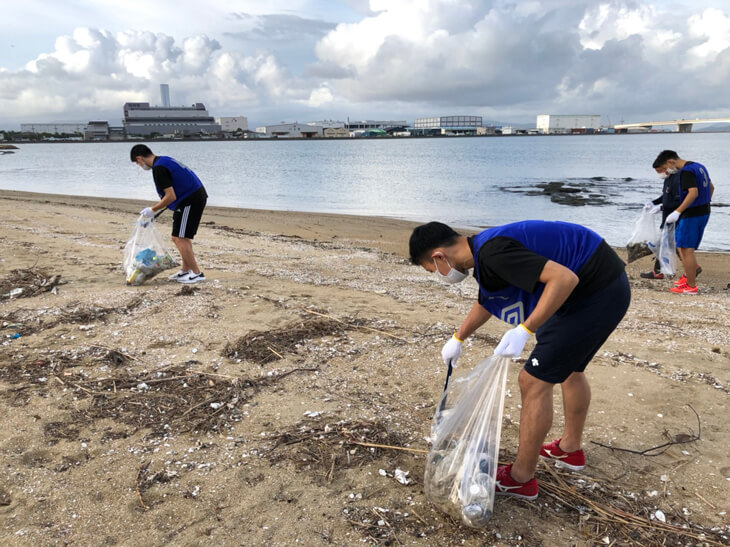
(684, 289)
(683, 280)
(575, 461)
(507, 486)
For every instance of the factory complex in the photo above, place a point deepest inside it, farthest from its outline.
(144, 120)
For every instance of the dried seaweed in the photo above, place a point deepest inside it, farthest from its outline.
(264, 346)
(326, 448)
(25, 283)
(173, 399)
(30, 321)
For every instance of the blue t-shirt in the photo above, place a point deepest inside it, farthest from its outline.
(695, 175)
(509, 259)
(182, 179)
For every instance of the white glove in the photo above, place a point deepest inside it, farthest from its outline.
(672, 217)
(147, 212)
(451, 351)
(513, 341)
(651, 208)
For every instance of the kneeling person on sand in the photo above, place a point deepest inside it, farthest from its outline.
(557, 281)
(181, 191)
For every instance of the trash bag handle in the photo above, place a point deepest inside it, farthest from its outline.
(446, 385)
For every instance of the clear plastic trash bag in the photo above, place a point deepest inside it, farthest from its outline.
(144, 254)
(461, 465)
(644, 237)
(667, 251)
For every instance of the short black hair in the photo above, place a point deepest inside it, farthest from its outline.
(140, 150)
(663, 157)
(427, 237)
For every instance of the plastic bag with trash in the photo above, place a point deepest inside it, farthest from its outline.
(645, 236)
(144, 254)
(461, 465)
(666, 251)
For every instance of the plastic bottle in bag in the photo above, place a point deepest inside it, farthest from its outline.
(461, 466)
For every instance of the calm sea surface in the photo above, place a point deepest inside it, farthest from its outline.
(467, 182)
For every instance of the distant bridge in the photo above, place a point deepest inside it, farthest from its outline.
(684, 126)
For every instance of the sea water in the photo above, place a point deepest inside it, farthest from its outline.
(467, 182)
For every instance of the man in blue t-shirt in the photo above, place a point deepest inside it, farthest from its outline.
(181, 191)
(691, 215)
(556, 281)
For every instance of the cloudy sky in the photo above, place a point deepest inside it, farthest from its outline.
(303, 60)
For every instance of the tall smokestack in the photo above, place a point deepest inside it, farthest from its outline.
(165, 95)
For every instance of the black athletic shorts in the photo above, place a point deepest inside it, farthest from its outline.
(187, 215)
(567, 341)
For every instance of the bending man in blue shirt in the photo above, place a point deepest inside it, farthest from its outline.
(181, 191)
(556, 281)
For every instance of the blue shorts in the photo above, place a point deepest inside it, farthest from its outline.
(567, 341)
(689, 231)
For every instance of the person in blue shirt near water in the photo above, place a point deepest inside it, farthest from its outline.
(691, 215)
(558, 282)
(181, 191)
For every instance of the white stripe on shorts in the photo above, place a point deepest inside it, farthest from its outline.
(184, 221)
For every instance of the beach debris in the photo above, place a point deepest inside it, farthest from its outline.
(401, 476)
(266, 346)
(32, 321)
(637, 251)
(25, 283)
(679, 438)
(146, 264)
(5, 498)
(323, 449)
(145, 255)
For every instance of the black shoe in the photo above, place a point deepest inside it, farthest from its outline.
(652, 275)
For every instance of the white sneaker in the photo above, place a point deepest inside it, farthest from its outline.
(177, 276)
(192, 278)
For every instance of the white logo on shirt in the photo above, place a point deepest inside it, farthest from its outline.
(513, 314)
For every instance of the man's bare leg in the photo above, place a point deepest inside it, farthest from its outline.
(536, 418)
(576, 400)
(185, 247)
(689, 263)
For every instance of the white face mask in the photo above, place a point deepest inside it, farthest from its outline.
(671, 171)
(145, 167)
(663, 175)
(454, 275)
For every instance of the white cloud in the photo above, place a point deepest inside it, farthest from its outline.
(320, 96)
(402, 58)
(713, 27)
(96, 70)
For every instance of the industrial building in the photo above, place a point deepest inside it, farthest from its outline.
(97, 131)
(551, 124)
(231, 124)
(141, 119)
(54, 128)
(447, 125)
(291, 131)
(385, 125)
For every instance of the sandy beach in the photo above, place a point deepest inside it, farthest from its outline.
(244, 410)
